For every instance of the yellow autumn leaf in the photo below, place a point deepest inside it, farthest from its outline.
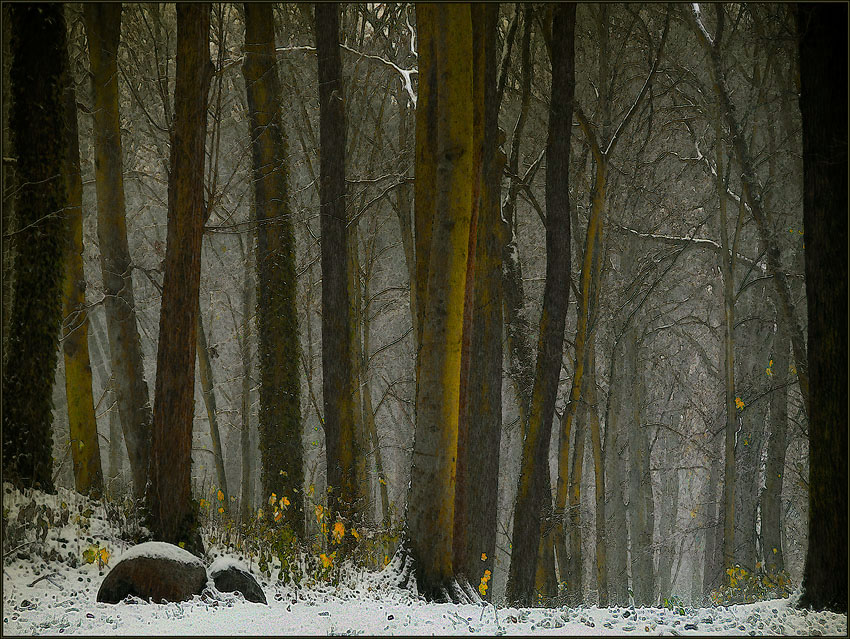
(320, 512)
(284, 501)
(311, 490)
(774, 551)
(355, 534)
(204, 503)
(327, 561)
(278, 515)
(386, 559)
(259, 513)
(739, 403)
(483, 556)
(482, 588)
(338, 532)
(272, 499)
(220, 496)
(104, 555)
(220, 510)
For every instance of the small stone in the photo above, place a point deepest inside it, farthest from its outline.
(627, 613)
(390, 617)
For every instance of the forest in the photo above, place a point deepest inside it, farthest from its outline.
(519, 307)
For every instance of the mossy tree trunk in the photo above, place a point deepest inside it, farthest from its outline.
(36, 121)
(442, 243)
(103, 27)
(85, 448)
(337, 375)
(281, 450)
(172, 513)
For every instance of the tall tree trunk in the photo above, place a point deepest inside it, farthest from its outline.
(85, 448)
(246, 500)
(530, 498)
(116, 438)
(281, 453)
(484, 415)
(599, 480)
(441, 256)
(774, 471)
(615, 510)
(337, 376)
(208, 391)
(641, 505)
(103, 27)
(170, 498)
(823, 33)
(8, 186)
(37, 74)
(669, 506)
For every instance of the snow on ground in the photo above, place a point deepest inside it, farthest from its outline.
(59, 597)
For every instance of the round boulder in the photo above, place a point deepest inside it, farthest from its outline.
(156, 571)
(231, 575)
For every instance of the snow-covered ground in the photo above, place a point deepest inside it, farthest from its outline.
(59, 597)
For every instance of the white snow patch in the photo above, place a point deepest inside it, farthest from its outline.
(225, 563)
(161, 550)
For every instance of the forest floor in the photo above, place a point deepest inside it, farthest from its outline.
(52, 590)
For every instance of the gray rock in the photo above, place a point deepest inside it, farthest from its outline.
(230, 577)
(155, 571)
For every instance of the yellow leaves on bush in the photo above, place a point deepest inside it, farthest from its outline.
(272, 499)
(386, 559)
(483, 556)
(327, 561)
(311, 490)
(320, 512)
(221, 510)
(739, 403)
(338, 532)
(769, 369)
(355, 534)
(278, 515)
(220, 495)
(482, 587)
(284, 501)
(259, 513)
(204, 503)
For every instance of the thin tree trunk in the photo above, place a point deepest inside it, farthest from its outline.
(774, 471)
(599, 480)
(337, 376)
(280, 427)
(172, 512)
(207, 389)
(614, 445)
(99, 347)
(103, 26)
(85, 448)
(530, 498)
(248, 304)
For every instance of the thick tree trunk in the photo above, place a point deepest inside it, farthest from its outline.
(103, 26)
(475, 524)
(39, 58)
(530, 498)
(823, 103)
(445, 53)
(337, 376)
(85, 448)
(7, 210)
(281, 454)
(172, 511)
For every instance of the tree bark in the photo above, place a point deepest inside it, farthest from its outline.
(208, 391)
(170, 497)
(281, 453)
(85, 448)
(246, 500)
(103, 27)
(530, 499)
(442, 244)
(823, 33)
(337, 376)
(37, 75)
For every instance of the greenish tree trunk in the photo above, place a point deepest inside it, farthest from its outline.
(280, 428)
